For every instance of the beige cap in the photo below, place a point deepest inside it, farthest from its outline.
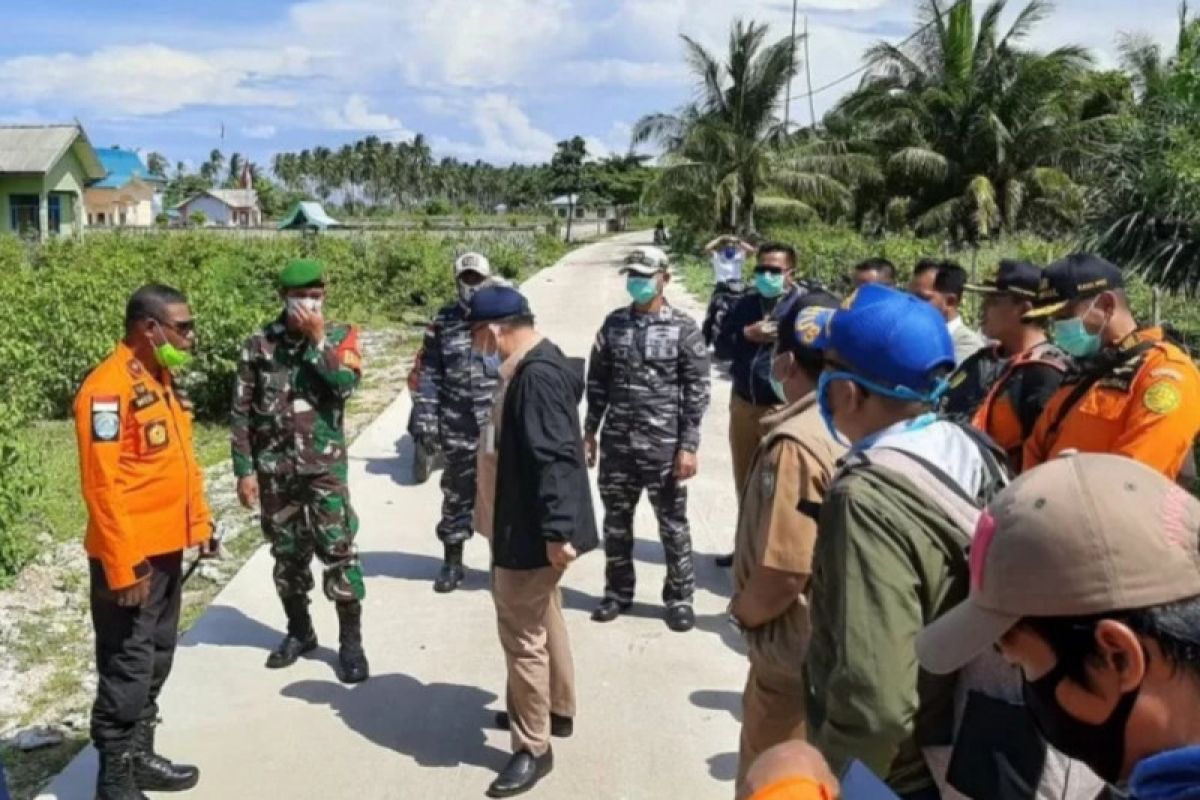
(1081, 535)
(472, 262)
(646, 261)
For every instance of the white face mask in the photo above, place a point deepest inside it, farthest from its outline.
(311, 304)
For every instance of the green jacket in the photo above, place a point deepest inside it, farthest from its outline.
(887, 562)
(289, 402)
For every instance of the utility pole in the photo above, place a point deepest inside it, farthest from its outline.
(787, 103)
(812, 108)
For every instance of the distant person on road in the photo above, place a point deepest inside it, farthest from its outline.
(1002, 389)
(648, 385)
(543, 521)
(749, 334)
(144, 492)
(661, 235)
(728, 254)
(874, 270)
(451, 407)
(289, 455)
(776, 534)
(942, 284)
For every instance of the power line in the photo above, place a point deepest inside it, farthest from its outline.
(863, 68)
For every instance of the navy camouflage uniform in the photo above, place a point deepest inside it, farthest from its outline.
(454, 402)
(648, 382)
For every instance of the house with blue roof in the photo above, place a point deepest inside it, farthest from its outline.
(128, 196)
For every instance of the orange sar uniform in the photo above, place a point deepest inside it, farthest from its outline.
(777, 528)
(142, 485)
(1142, 400)
(145, 500)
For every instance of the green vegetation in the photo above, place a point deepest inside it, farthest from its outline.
(72, 296)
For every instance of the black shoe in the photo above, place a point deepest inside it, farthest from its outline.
(115, 781)
(724, 561)
(609, 609)
(521, 774)
(290, 649)
(560, 727)
(352, 659)
(154, 773)
(681, 619)
(452, 573)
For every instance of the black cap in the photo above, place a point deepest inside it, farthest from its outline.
(792, 339)
(1019, 278)
(1076, 276)
(494, 303)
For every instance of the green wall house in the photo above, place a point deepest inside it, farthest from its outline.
(43, 172)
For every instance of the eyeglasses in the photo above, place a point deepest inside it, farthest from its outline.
(184, 328)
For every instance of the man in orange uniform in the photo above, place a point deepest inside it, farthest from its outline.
(1135, 394)
(145, 500)
(1003, 388)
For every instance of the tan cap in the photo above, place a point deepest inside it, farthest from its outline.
(472, 262)
(1081, 535)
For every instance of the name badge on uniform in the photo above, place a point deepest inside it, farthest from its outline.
(662, 343)
(106, 418)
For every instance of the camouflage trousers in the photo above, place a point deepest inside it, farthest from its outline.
(622, 480)
(458, 489)
(309, 515)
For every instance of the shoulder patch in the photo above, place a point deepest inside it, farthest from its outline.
(106, 418)
(1162, 397)
(156, 435)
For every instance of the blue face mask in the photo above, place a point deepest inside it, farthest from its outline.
(729, 252)
(1073, 337)
(641, 289)
(491, 364)
(769, 284)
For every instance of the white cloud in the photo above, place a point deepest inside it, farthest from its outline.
(356, 115)
(151, 79)
(260, 131)
(506, 134)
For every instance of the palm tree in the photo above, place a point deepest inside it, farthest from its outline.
(157, 164)
(724, 139)
(974, 130)
(1148, 217)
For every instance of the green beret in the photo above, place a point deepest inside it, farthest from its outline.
(302, 272)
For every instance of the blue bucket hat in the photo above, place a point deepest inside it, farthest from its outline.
(893, 343)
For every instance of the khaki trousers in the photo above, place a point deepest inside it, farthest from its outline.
(541, 674)
(745, 432)
(772, 713)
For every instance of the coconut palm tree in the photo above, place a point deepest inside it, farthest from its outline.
(718, 149)
(974, 130)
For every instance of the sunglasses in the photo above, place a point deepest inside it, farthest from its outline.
(184, 328)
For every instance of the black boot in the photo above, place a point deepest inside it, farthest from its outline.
(353, 661)
(452, 573)
(115, 781)
(300, 639)
(154, 773)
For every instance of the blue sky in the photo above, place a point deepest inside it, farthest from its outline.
(498, 80)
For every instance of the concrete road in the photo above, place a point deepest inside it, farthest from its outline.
(658, 711)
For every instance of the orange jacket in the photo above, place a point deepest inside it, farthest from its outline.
(1146, 407)
(143, 488)
(999, 415)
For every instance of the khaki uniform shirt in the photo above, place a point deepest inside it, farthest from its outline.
(487, 454)
(793, 466)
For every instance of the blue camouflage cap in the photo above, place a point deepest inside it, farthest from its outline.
(495, 303)
(894, 339)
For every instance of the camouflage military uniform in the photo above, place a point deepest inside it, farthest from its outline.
(648, 382)
(287, 427)
(454, 402)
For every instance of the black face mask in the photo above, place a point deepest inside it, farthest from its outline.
(1101, 747)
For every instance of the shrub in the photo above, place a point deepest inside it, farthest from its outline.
(198, 219)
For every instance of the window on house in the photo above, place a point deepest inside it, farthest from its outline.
(54, 204)
(124, 218)
(579, 212)
(100, 219)
(23, 213)
(562, 212)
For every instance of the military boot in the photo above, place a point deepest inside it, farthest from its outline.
(154, 773)
(452, 573)
(351, 657)
(115, 781)
(300, 639)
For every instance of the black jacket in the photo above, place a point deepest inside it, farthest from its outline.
(542, 489)
(751, 363)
